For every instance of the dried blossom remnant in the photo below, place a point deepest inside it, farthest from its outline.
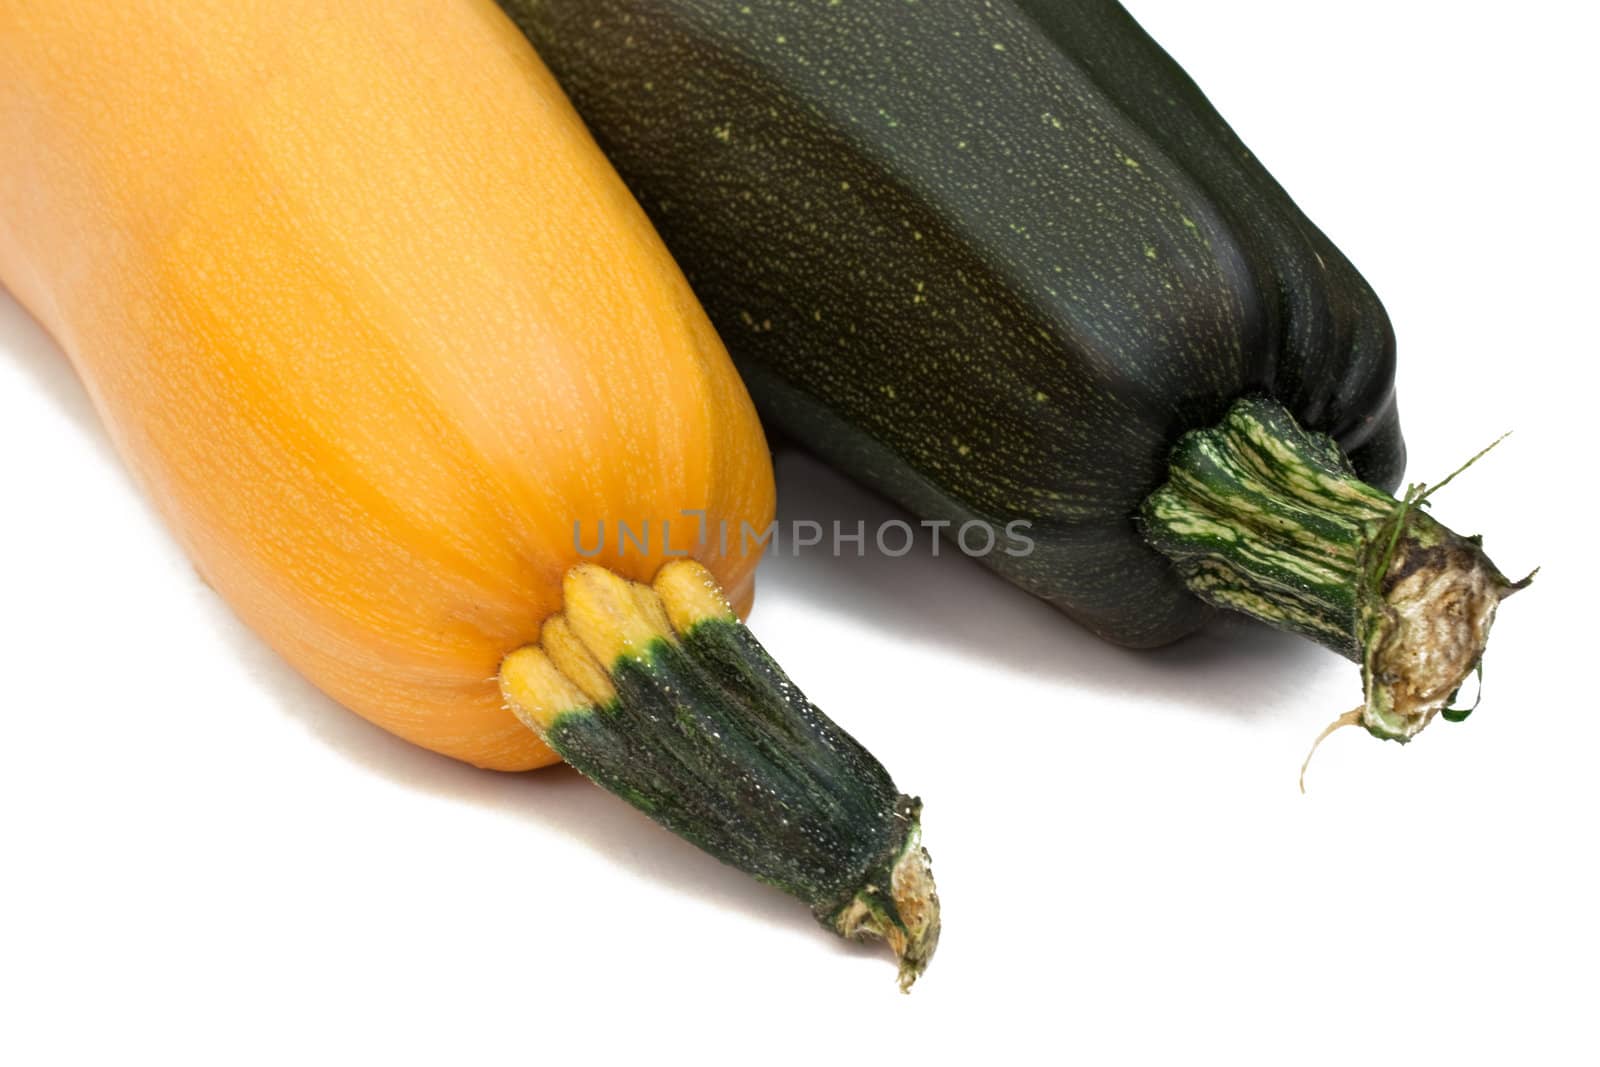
(1439, 600)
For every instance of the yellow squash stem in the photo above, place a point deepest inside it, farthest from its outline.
(660, 694)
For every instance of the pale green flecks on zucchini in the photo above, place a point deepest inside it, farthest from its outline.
(1103, 268)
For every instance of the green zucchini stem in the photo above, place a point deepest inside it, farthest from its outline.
(659, 694)
(1266, 518)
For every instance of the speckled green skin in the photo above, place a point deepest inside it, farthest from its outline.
(992, 259)
(711, 739)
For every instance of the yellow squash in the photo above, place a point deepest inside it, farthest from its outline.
(394, 349)
(374, 322)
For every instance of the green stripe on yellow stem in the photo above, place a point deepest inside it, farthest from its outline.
(537, 692)
(691, 596)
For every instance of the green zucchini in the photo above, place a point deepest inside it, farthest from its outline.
(1004, 261)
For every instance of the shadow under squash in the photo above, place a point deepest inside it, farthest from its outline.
(1232, 666)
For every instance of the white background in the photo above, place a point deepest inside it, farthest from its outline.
(205, 861)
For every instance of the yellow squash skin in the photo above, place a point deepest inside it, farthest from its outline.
(373, 321)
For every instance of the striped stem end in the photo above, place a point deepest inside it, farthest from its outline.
(1262, 517)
